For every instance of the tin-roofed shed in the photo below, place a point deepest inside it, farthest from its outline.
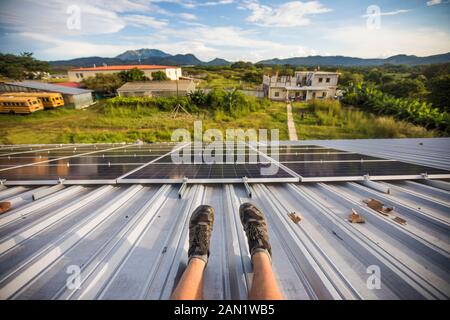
(76, 97)
(130, 241)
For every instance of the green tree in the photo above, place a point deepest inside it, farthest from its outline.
(440, 92)
(19, 67)
(349, 79)
(242, 65)
(104, 83)
(159, 76)
(132, 75)
(407, 88)
(252, 76)
(374, 76)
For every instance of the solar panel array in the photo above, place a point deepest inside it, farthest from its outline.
(158, 163)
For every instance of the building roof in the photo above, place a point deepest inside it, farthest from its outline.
(306, 88)
(318, 72)
(169, 85)
(70, 84)
(124, 67)
(43, 86)
(131, 241)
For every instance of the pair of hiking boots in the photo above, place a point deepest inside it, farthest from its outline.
(201, 226)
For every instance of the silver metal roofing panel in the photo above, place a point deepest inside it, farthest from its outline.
(49, 87)
(131, 241)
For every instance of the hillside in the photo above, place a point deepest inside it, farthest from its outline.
(352, 61)
(155, 56)
(141, 56)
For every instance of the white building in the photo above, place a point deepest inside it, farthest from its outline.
(304, 85)
(78, 74)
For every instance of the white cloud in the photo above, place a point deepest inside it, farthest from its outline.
(289, 14)
(390, 13)
(188, 16)
(96, 16)
(387, 41)
(204, 41)
(233, 43)
(216, 3)
(144, 21)
(190, 4)
(58, 48)
(433, 2)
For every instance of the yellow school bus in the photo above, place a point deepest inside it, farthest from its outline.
(23, 105)
(49, 99)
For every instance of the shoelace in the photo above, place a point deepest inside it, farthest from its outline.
(254, 232)
(200, 239)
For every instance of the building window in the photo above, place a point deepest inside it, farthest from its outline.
(77, 75)
(320, 80)
(81, 75)
(324, 94)
(276, 94)
(328, 80)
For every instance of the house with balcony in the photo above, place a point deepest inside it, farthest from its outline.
(303, 86)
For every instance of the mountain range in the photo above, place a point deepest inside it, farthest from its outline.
(155, 56)
(351, 61)
(141, 56)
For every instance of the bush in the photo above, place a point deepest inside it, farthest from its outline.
(232, 103)
(411, 110)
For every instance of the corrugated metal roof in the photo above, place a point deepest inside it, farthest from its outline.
(49, 87)
(125, 67)
(131, 241)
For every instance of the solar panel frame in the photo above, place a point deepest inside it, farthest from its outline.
(134, 157)
(55, 180)
(128, 178)
(360, 177)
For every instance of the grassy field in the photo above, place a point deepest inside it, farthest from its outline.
(104, 124)
(330, 120)
(101, 124)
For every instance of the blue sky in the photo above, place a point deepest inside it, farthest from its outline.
(231, 29)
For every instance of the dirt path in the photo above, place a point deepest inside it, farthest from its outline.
(290, 123)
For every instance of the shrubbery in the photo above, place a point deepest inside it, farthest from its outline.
(421, 113)
(228, 103)
(330, 113)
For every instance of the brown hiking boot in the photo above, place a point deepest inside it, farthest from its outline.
(200, 229)
(255, 227)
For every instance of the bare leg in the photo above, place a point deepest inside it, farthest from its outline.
(190, 286)
(264, 285)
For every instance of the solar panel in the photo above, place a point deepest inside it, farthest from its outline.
(316, 163)
(61, 171)
(80, 162)
(166, 172)
(153, 163)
